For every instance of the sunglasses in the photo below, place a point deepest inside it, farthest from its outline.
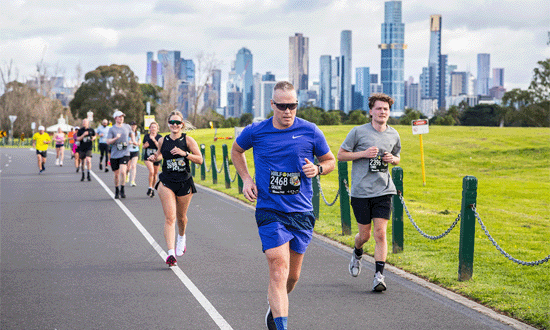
(174, 122)
(284, 106)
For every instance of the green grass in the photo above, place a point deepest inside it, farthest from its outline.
(512, 166)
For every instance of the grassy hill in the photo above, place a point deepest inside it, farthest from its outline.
(512, 166)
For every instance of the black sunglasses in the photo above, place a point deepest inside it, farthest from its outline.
(174, 122)
(284, 106)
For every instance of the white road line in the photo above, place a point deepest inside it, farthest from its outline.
(220, 321)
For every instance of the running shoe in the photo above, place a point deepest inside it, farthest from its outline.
(89, 179)
(379, 284)
(149, 190)
(269, 321)
(181, 247)
(133, 184)
(83, 176)
(122, 194)
(61, 163)
(117, 195)
(152, 193)
(57, 161)
(355, 265)
(171, 261)
(100, 166)
(106, 169)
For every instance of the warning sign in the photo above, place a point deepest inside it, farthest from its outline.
(420, 126)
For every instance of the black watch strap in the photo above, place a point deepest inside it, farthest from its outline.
(320, 168)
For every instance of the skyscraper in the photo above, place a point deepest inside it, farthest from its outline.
(345, 62)
(498, 77)
(298, 57)
(392, 68)
(442, 93)
(483, 72)
(336, 83)
(217, 85)
(245, 76)
(362, 86)
(434, 64)
(325, 82)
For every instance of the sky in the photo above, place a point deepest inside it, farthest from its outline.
(63, 34)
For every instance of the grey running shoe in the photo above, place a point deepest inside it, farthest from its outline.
(378, 284)
(355, 265)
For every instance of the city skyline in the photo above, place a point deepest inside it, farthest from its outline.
(32, 32)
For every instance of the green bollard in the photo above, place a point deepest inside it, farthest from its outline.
(315, 197)
(213, 162)
(467, 229)
(203, 166)
(226, 167)
(397, 212)
(240, 184)
(344, 198)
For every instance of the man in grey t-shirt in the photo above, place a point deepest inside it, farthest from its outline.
(119, 136)
(372, 147)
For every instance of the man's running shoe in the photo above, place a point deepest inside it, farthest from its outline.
(355, 265)
(379, 285)
(149, 191)
(181, 247)
(83, 176)
(117, 195)
(89, 179)
(100, 166)
(106, 169)
(122, 194)
(171, 261)
(269, 321)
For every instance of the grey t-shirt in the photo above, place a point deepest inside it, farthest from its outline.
(119, 148)
(371, 178)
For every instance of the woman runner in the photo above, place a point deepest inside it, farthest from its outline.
(176, 186)
(59, 139)
(150, 146)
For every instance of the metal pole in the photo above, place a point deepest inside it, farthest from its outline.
(467, 229)
(344, 198)
(226, 166)
(422, 161)
(213, 162)
(397, 213)
(203, 166)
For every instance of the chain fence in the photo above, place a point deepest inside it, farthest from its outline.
(445, 233)
(504, 253)
(323, 194)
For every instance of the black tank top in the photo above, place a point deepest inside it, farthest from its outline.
(175, 168)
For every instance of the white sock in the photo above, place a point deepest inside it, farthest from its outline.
(171, 252)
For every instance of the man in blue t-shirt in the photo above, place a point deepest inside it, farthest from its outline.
(284, 147)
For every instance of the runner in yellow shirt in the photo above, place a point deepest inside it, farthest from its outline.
(40, 141)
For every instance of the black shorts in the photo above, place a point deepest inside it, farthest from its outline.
(104, 148)
(85, 153)
(116, 162)
(366, 209)
(134, 154)
(42, 153)
(180, 188)
(59, 145)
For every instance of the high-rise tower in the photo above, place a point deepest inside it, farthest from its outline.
(325, 82)
(298, 61)
(483, 73)
(345, 62)
(392, 68)
(434, 57)
(245, 77)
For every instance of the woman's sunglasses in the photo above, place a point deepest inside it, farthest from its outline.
(284, 106)
(174, 122)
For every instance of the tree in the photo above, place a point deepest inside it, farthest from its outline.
(483, 115)
(357, 117)
(540, 85)
(151, 93)
(410, 115)
(330, 118)
(311, 114)
(206, 63)
(107, 88)
(246, 119)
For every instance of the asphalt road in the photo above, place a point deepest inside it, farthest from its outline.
(72, 257)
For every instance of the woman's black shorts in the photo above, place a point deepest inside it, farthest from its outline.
(180, 188)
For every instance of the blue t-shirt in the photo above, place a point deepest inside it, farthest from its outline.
(102, 130)
(278, 158)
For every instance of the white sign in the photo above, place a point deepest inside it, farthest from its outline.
(33, 125)
(13, 118)
(420, 126)
(147, 120)
(90, 116)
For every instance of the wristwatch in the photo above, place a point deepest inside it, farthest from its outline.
(320, 169)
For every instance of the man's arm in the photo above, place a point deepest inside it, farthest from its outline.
(250, 191)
